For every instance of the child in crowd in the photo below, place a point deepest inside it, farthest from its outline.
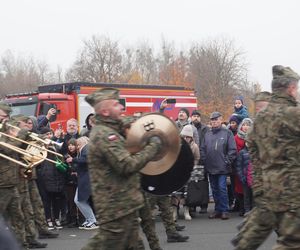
(240, 110)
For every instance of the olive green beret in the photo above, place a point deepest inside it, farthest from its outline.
(101, 95)
(263, 96)
(5, 108)
(282, 76)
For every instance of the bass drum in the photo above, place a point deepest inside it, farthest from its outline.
(174, 178)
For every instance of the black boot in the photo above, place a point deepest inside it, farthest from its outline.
(176, 237)
(179, 227)
(46, 234)
(36, 244)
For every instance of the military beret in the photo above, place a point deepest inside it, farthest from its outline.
(263, 96)
(215, 115)
(101, 95)
(5, 107)
(282, 75)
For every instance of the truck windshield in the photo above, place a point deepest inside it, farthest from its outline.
(24, 109)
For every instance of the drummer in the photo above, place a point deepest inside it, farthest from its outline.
(114, 175)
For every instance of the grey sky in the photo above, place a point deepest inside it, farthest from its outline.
(267, 30)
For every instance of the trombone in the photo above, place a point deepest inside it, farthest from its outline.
(34, 136)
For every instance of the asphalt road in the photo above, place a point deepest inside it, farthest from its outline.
(205, 234)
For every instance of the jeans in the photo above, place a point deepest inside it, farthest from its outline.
(219, 190)
(85, 209)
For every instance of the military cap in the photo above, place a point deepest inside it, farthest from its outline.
(101, 95)
(5, 108)
(215, 115)
(19, 117)
(263, 96)
(282, 76)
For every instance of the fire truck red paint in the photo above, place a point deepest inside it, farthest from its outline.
(68, 98)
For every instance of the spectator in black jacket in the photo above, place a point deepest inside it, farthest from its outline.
(51, 182)
(218, 151)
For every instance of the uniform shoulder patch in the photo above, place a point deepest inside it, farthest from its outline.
(112, 137)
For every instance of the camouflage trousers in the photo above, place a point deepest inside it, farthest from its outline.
(37, 205)
(28, 215)
(120, 234)
(10, 208)
(164, 204)
(261, 222)
(148, 225)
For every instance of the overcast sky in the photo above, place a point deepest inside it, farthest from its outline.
(53, 30)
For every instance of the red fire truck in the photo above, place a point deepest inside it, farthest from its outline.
(68, 99)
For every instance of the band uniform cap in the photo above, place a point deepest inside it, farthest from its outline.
(101, 95)
(263, 96)
(283, 73)
(215, 115)
(5, 108)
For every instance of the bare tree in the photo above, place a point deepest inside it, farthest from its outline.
(19, 74)
(99, 61)
(218, 71)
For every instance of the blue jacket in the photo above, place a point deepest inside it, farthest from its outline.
(241, 165)
(81, 167)
(241, 113)
(218, 151)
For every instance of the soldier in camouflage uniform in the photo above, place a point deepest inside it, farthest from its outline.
(114, 175)
(10, 205)
(274, 148)
(257, 215)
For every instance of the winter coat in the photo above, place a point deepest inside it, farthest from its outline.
(202, 129)
(243, 169)
(241, 113)
(52, 179)
(218, 151)
(83, 178)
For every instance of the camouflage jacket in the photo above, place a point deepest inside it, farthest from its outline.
(9, 171)
(114, 171)
(274, 146)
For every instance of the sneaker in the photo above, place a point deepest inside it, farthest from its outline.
(50, 225)
(91, 226)
(83, 225)
(58, 224)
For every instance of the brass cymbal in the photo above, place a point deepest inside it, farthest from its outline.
(158, 125)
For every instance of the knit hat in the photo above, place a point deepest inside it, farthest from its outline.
(283, 76)
(240, 98)
(185, 111)
(187, 131)
(234, 118)
(196, 112)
